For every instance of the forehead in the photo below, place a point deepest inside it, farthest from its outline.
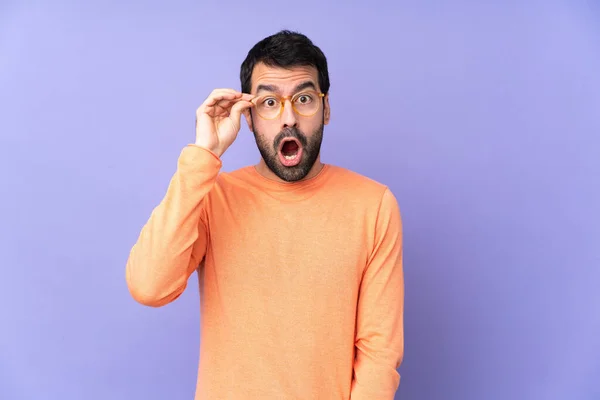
(284, 79)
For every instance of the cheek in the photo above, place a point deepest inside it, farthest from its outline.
(314, 124)
(265, 129)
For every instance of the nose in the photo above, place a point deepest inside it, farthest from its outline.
(288, 115)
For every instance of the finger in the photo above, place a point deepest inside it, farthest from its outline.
(237, 109)
(222, 108)
(217, 92)
(226, 102)
(237, 96)
(218, 95)
(216, 98)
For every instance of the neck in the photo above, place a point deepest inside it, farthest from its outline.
(265, 171)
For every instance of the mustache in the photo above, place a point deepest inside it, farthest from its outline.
(287, 133)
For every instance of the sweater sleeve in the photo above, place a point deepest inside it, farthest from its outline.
(380, 332)
(173, 241)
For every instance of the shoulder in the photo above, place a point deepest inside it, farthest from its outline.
(370, 202)
(229, 185)
(365, 196)
(360, 186)
(237, 177)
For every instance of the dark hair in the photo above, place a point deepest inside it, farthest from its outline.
(285, 49)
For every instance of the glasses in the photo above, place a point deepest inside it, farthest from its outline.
(270, 106)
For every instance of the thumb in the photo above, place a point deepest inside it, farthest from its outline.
(237, 109)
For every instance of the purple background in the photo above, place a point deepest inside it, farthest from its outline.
(483, 118)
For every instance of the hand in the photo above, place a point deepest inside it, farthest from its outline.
(218, 119)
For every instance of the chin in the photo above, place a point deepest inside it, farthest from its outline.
(291, 155)
(289, 173)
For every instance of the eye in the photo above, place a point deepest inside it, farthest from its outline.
(304, 99)
(269, 102)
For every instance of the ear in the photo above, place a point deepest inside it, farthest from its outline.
(327, 109)
(248, 118)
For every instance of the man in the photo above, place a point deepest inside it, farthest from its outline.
(299, 262)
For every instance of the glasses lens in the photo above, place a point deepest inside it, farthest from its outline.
(306, 103)
(268, 106)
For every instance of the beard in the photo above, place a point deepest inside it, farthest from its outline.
(311, 147)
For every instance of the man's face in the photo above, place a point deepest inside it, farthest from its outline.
(289, 142)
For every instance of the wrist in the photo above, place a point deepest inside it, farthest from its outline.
(210, 149)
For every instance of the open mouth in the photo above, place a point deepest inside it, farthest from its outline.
(290, 152)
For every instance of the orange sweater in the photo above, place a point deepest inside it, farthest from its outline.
(301, 284)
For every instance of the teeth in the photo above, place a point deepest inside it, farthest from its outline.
(290, 157)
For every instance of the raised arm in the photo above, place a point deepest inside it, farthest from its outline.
(380, 332)
(173, 241)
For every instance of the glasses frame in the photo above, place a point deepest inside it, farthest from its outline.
(284, 99)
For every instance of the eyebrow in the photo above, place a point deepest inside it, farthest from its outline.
(305, 85)
(275, 89)
(266, 88)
